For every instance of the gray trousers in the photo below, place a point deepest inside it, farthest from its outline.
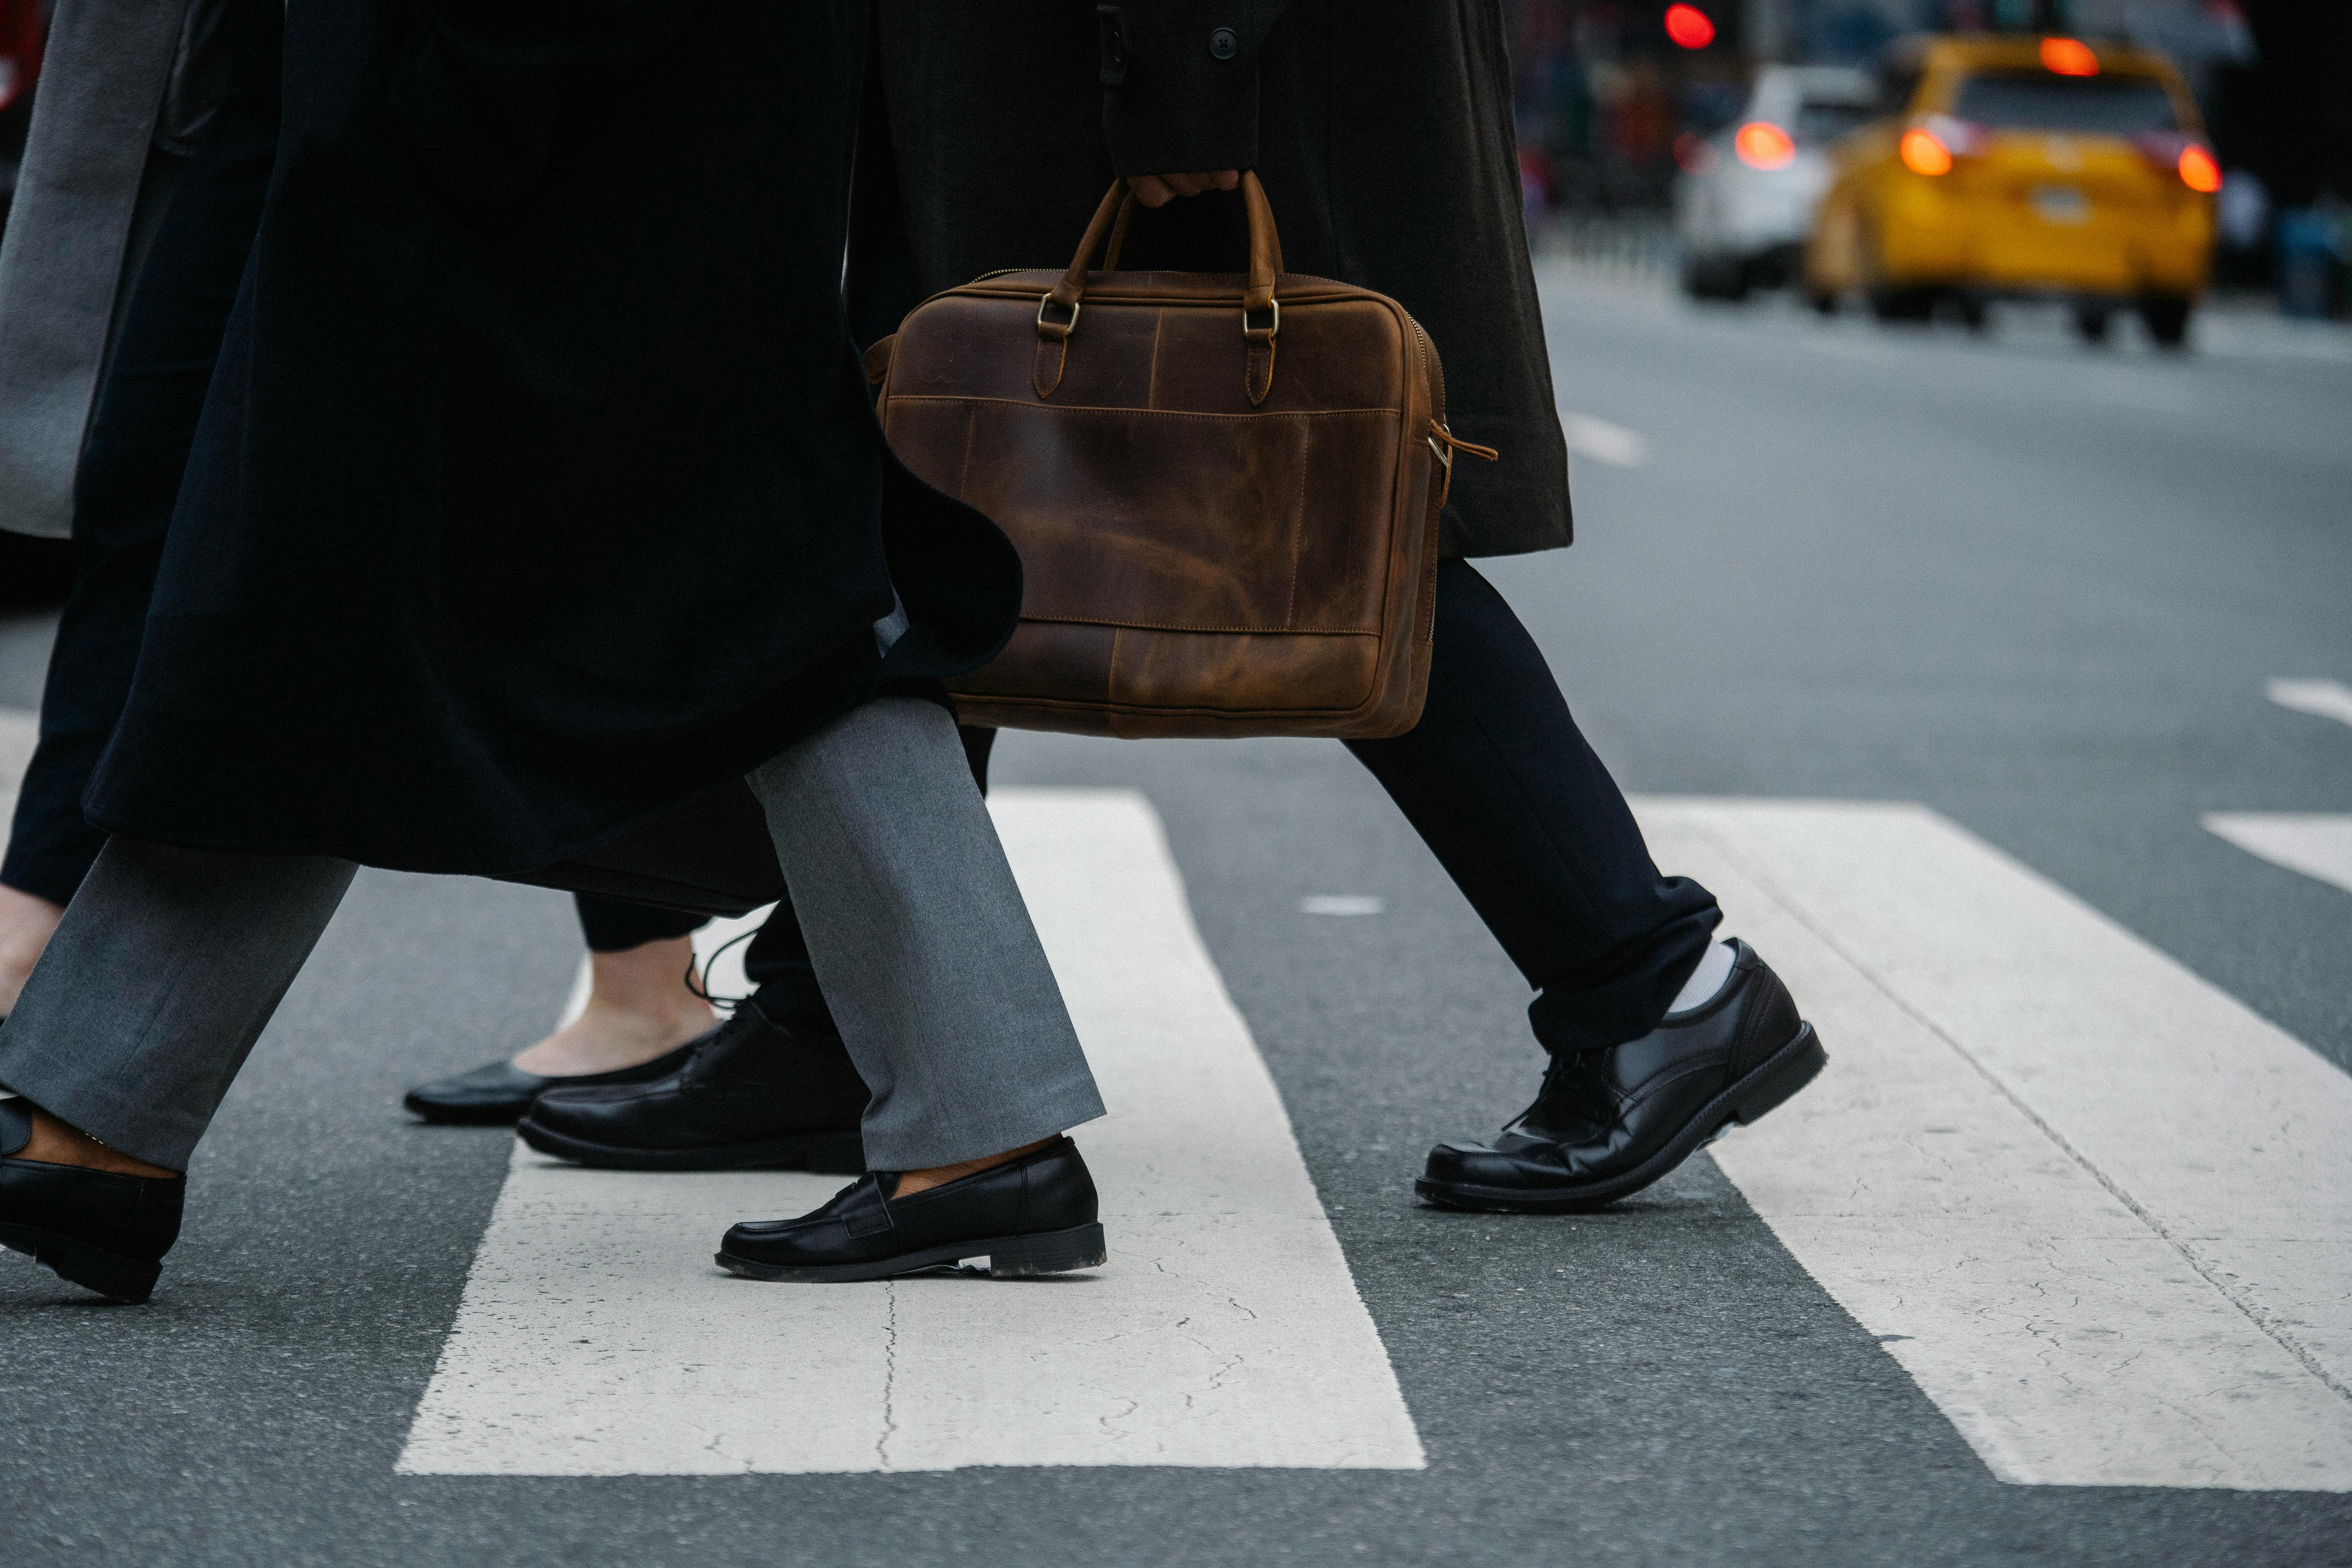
(170, 960)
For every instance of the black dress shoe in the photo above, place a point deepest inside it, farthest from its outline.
(1030, 1215)
(755, 1097)
(500, 1093)
(1607, 1123)
(102, 1231)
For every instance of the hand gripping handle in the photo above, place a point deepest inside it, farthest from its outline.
(1059, 308)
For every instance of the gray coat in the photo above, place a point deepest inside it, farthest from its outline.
(93, 182)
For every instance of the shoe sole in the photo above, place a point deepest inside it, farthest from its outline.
(1009, 1257)
(821, 1153)
(1764, 1089)
(126, 1280)
(465, 1116)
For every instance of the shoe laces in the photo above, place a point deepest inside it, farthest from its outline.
(696, 983)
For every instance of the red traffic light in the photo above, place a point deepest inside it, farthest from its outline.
(1689, 27)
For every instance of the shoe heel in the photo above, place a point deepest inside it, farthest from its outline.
(1055, 1252)
(1797, 1064)
(126, 1280)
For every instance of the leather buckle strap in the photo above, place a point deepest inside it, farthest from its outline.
(1057, 329)
(1443, 442)
(1266, 332)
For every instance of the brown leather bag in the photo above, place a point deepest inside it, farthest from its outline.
(1224, 488)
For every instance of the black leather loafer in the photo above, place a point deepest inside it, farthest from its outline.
(1609, 1123)
(102, 1231)
(755, 1097)
(500, 1093)
(1032, 1215)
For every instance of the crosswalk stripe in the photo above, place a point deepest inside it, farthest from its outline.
(2320, 699)
(2317, 844)
(596, 1338)
(2098, 1209)
(19, 730)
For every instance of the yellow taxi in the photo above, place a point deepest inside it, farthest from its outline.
(2005, 165)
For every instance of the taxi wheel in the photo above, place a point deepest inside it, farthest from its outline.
(2092, 321)
(1715, 277)
(2166, 319)
(1903, 304)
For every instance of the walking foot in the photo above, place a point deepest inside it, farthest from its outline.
(1031, 1213)
(1608, 1123)
(104, 1230)
(753, 1095)
(643, 1022)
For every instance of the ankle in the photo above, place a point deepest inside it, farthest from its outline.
(659, 980)
(55, 1143)
(913, 1182)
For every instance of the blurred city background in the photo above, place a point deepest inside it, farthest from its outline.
(1955, 395)
(1617, 99)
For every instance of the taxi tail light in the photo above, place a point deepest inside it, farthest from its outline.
(2183, 155)
(1923, 153)
(2199, 170)
(1932, 146)
(1764, 145)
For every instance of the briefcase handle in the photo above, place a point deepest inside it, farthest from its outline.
(1109, 224)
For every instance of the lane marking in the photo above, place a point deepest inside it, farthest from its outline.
(2317, 844)
(2098, 1209)
(2325, 699)
(595, 1337)
(20, 730)
(1342, 904)
(1603, 442)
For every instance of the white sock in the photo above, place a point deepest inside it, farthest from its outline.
(1714, 969)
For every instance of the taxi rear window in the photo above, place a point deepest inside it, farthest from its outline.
(2093, 105)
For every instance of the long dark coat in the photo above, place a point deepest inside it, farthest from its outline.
(1382, 132)
(537, 492)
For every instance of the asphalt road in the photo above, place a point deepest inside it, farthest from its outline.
(2035, 588)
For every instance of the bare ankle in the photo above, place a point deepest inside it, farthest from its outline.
(54, 1142)
(642, 1003)
(913, 1182)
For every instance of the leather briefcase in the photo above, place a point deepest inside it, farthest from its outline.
(1224, 488)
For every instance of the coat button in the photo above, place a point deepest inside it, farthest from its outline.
(1224, 43)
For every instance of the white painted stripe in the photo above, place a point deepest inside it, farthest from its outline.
(2100, 1211)
(595, 1337)
(2316, 843)
(19, 730)
(2325, 699)
(1604, 442)
(1342, 904)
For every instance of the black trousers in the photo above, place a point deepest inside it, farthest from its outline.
(127, 481)
(1500, 783)
(125, 486)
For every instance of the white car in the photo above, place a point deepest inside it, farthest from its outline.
(1744, 201)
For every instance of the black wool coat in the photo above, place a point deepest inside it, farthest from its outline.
(538, 491)
(1382, 132)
